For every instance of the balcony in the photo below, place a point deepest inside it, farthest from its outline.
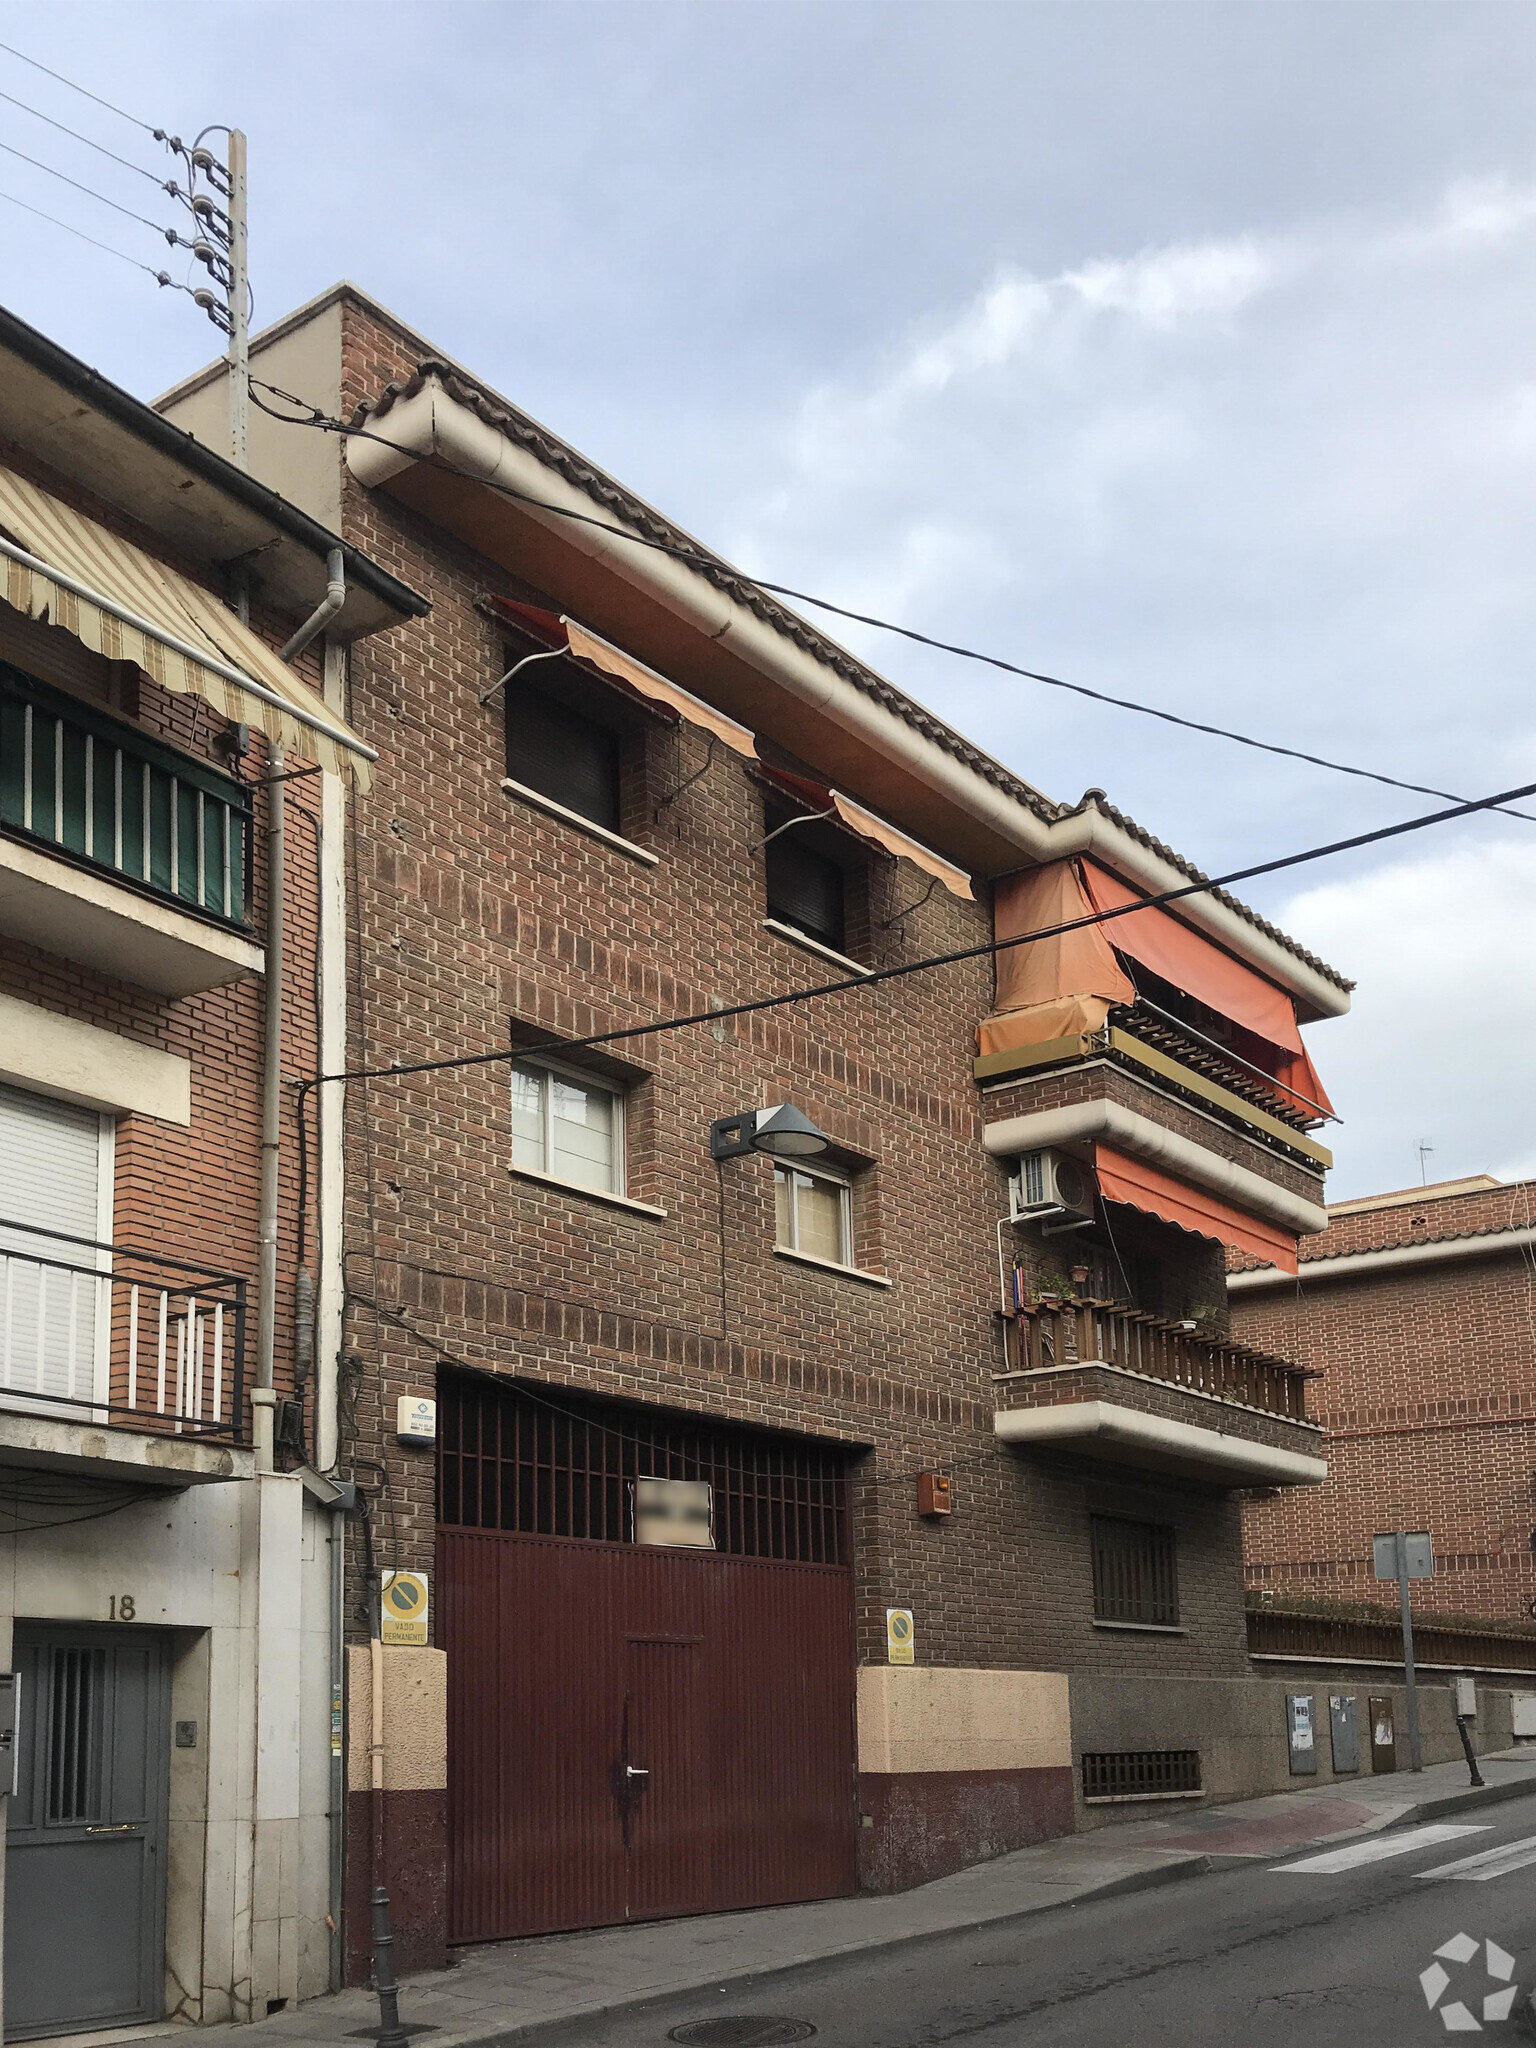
(1108, 1382)
(119, 1362)
(117, 851)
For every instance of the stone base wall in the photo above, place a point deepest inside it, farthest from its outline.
(918, 1825)
(1239, 1728)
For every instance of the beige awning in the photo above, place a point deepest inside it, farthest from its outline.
(614, 662)
(57, 565)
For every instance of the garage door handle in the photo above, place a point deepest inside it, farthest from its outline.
(631, 1772)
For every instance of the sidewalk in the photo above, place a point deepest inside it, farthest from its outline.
(508, 1990)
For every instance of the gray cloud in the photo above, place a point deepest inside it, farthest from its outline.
(1181, 349)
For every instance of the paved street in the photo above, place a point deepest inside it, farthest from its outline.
(1316, 1948)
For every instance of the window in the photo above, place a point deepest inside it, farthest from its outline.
(57, 1165)
(563, 754)
(1135, 1572)
(568, 1125)
(805, 889)
(814, 1214)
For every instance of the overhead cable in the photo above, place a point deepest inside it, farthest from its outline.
(90, 193)
(698, 560)
(872, 977)
(158, 133)
(101, 148)
(161, 277)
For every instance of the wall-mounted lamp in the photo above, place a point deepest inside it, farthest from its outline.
(783, 1132)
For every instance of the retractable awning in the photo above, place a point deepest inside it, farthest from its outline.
(1140, 1186)
(624, 669)
(59, 567)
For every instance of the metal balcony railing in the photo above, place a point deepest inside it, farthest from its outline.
(86, 784)
(1047, 1335)
(119, 1336)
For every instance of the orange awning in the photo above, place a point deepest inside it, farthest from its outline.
(1191, 962)
(1054, 988)
(1132, 1181)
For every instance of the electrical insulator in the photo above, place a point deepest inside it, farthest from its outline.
(202, 205)
(203, 251)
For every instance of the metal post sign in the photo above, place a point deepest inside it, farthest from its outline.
(403, 1609)
(1420, 1551)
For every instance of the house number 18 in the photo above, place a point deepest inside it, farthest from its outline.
(120, 1607)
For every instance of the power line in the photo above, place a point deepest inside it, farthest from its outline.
(874, 976)
(696, 560)
(170, 234)
(74, 133)
(161, 277)
(158, 133)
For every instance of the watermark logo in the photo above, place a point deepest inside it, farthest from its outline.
(1457, 2014)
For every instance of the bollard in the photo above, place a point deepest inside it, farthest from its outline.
(391, 2034)
(1466, 1748)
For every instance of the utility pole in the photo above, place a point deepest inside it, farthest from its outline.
(1424, 1156)
(239, 306)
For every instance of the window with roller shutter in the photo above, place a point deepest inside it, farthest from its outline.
(56, 1172)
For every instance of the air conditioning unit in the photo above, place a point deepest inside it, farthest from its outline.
(1046, 1183)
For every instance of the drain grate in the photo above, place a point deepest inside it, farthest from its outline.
(742, 2030)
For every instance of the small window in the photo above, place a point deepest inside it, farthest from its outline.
(814, 1214)
(805, 889)
(1135, 1572)
(563, 755)
(568, 1125)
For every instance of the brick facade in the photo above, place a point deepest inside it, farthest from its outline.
(1429, 1402)
(477, 919)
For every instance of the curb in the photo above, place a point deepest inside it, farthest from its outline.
(1472, 1795)
(1192, 1864)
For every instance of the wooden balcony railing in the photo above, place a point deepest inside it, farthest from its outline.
(1048, 1335)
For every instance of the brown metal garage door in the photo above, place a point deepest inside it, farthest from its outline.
(636, 1731)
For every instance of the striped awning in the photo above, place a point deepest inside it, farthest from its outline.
(58, 566)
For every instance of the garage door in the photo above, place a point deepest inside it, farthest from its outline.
(637, 1730)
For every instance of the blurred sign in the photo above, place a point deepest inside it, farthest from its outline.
(675, 1511)
(1421, 1555)
(900, 1637)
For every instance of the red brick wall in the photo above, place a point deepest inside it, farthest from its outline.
(1429, 1396)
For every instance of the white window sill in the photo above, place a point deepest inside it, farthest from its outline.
(796, 937)
(576, 1187)
(588, 825)
(1144, 1628)
(781, 1251)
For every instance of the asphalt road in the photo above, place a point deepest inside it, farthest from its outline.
(1254, 1954)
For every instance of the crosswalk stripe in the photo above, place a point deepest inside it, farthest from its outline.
(1488, 1863)
(1377, 1848)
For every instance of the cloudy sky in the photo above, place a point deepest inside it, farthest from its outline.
(1186, 351)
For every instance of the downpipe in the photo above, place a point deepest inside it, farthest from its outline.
(263, 1396)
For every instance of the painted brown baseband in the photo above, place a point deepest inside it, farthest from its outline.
(926, 1824)
(415, 1874)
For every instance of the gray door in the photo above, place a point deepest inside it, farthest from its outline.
(85, 1841)
(1346, 1737)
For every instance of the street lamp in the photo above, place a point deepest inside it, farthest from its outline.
(783, 1132)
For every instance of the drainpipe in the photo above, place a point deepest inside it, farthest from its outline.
(335, 597)
(263, 1398)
